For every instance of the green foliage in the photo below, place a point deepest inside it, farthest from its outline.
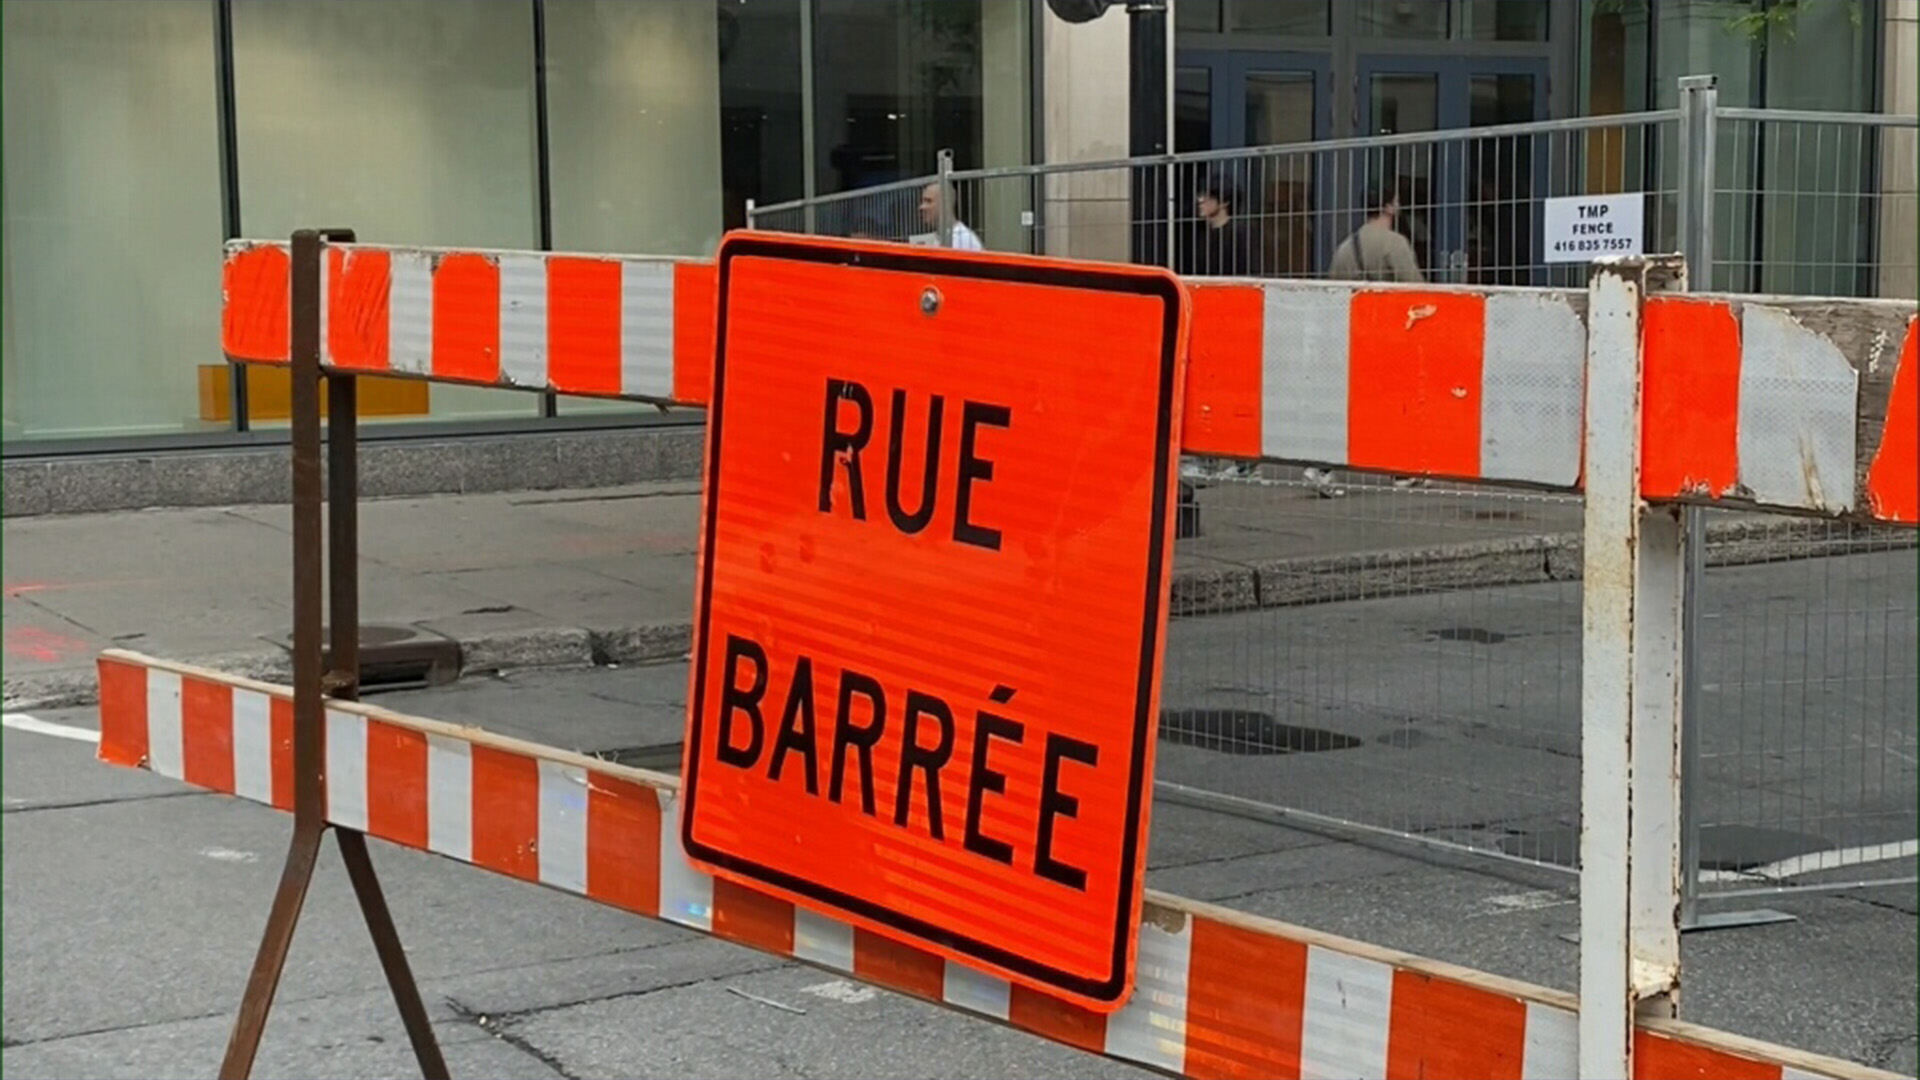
(1763, 19)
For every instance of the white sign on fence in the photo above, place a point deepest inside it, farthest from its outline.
(1581, 228)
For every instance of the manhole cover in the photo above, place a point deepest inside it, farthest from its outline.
(1246, 731)
(396, 657)
(1474, 634)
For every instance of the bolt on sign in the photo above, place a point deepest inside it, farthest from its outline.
(932, 596)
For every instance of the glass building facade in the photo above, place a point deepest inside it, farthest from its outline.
(140, 133)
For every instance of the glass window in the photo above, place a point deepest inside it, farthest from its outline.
(638, 126)
(1817, 180)
(112, 218)
(894, 84)
(1279, 107)
(1613, 57)
(762, 155)
(1306, 18)
(1196, 16)
(409, 121)
(1192, 110)
(1425, 20)
(1504, 20)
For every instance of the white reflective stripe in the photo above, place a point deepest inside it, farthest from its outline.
(563, 826)
(523, 320)
(1798, 398)
(646, 328)
(1344, 1033)
(410, 312)
(450, 797)
(165, 752)
(977, 991)
(1533, 382)
(326, 305)
(253, 745)
(347, 770)
(1788, 1072)
(1303, 373)
(1552, 1049)
(686, 894)
(1151, 1027)
(821, 940)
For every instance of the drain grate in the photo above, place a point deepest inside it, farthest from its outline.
(1246, 732)
(396, 657)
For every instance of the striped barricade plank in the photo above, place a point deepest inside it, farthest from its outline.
(1217, 993)
(611, 326)
(1774, 403)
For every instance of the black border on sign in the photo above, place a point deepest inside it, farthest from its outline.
(918, 261)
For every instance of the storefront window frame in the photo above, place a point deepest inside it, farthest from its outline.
(241, 434)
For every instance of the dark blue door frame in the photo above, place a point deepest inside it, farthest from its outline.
(1448, 167)
(1227, 86)
(1229, 72)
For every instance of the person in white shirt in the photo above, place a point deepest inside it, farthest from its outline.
(964, 238)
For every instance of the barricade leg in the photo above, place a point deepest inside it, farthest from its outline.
(311, 685)
(1632, 627)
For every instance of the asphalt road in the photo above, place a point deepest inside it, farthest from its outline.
(133, 905)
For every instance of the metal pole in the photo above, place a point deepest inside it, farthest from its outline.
(1699, 95)
(309, 712)
(343, 684)
(809, 178)
(945, 167)
(1699, 125)
(1633, 580)
(1698, 98)
(1147, 125)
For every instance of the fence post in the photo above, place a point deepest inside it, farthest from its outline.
(750, 212)
(945, 160)
(1631, 655)
(1699, 98)
(1699, 125)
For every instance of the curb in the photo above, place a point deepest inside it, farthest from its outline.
(1218, 590)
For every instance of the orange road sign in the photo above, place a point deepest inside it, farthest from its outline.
(932, 596)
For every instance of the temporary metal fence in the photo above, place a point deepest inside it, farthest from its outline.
(1430, 634)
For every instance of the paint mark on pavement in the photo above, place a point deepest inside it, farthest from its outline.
(841, 990)
(22, 722)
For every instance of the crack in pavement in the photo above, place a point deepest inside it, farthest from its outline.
(515, 1015)
(114, 1029)
(44, 609)
(1216, 860)
(1880, 1051)
(494, 1026)
(81, 804)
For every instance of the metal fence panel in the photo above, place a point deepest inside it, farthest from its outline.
(1399, 659)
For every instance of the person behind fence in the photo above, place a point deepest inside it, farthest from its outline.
(964, 238)
(1377, 251)
(1220, 245)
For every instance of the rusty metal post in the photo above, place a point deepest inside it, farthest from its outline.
(343, 682)
(1632, 666)
(309, 712)
(312, 683)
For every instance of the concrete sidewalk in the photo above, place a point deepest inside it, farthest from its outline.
(555, 577)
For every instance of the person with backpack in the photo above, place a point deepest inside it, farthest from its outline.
(1377, 251)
